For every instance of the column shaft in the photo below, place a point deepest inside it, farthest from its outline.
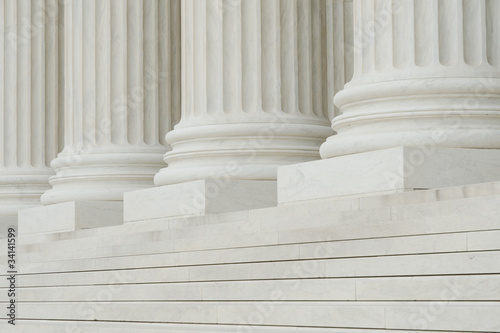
(29, 100)
(426, 72)
(254, 88)
(122, 73)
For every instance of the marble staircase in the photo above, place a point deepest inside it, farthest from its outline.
(422, 261)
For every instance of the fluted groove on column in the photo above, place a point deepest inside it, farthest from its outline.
(122, 96)
(270, 72)
(422, 65)
(251, 65)
(29, 100)
(169, 65)
(115, 61)
(493, 32)
(403, 36)
(427, 34)
(408, 33)
(252, 68)
(242, 51)
(340, 48)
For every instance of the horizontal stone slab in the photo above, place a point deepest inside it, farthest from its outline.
(468, 201)
(399, 245)
(446, 316)
(387, 171)
(338, 231)
(470, 214)
(61, 326)
(414, 288)
(392, 265)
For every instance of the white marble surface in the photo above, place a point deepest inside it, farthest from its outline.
(198, 197)
(5, 223)
(69, 216)
(387, 171)
(44, 326)
(256, 87)
(424, 74)
(122, 79)
(385, 273)
(420, 288)
(258, 79)
(30, 100)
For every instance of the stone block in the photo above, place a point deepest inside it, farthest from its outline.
(198, 197)
(387, 171)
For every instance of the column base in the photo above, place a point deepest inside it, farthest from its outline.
(387, 171)
(198, 197)
(21, 188)
(103, 175)
(70, 216)
(5, 223)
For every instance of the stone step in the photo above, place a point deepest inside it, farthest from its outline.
(343, 229)
(453, 242)
(479, 221)
(486, 262)
(454, 222)
(414, 288)
(203, 231)
(338, 205)
(132, 236)
(432, 195)
(349, 229)
(318, 213)
(58, 236)
(207, 221)
(306, 216)
(44, 326)
(443, 315)
(150, 237)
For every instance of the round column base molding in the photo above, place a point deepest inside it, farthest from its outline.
(22, 189)
(443, 112)
(340, 145)
(251, 151)
(224, 172)
(104, 176)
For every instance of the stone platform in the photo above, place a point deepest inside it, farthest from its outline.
(421, 261)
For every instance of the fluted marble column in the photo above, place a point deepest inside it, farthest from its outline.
(427, 72)
(29, 100)
(122, 72)
(254, 89)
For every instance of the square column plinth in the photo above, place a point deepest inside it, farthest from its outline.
(387, 171)
(70, 216)
(198, 197)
